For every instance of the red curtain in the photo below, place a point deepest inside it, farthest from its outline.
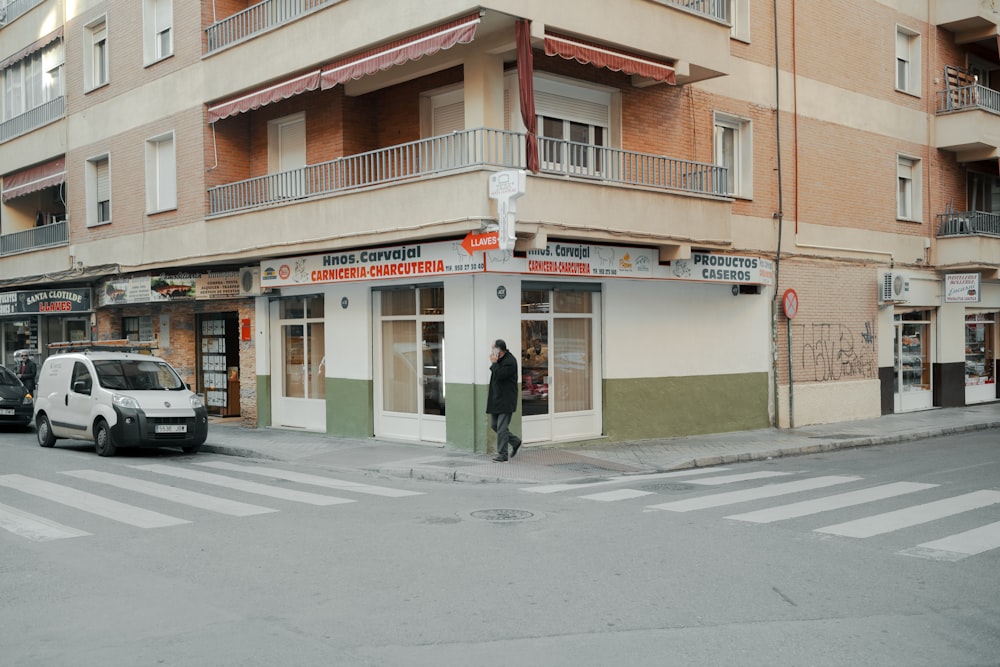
(526, 89)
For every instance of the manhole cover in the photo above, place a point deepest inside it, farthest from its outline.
(657, 487)
(502, 515)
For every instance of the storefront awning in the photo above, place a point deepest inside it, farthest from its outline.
(262, 96)
(412, 47)
(34, 178)
(37, 45)
(598, 55)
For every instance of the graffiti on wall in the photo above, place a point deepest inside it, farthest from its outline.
(834, 351)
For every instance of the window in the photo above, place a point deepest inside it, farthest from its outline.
(734, 151)
(739, 19)
(907, 61)
(157, 23)
(908, 193)
(161, 174)
(33, 81)
(98, 191)
(137, 328)
(95, 57)
(574, 123)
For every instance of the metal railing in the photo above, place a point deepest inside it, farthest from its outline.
(36, 238)
(14, 9)
(32, 119)
(969, 223)
(974, 96)
(461, 150)
(716, 9)
(256, 19)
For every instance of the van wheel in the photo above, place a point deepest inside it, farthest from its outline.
(103, 442)
(43, 429)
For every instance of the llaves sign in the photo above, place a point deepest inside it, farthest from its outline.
(46, 302)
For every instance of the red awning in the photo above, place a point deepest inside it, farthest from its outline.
(31, 48)
(413, 47)
(262, 96)
(598, 55)
(34, 178)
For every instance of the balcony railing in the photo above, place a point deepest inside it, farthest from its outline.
(33, 119)
(974, 96)
(716, 9)
(462, 150)
(37, 238)
(969, 223)
(15, 9)
(256, 19)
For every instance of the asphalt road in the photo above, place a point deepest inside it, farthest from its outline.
(818, 560)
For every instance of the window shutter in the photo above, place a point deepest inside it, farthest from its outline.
(166, 179)
(292, 142)
(568, 108)
(448, 118)
(103, 180)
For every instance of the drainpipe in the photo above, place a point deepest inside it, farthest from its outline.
(778, 215)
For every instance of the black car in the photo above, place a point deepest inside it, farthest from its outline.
(16, 404)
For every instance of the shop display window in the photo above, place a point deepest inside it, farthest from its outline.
(979, 349)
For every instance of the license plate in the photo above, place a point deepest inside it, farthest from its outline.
(171, 428)
(6, 412)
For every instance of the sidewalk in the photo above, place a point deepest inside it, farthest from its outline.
(553, 463)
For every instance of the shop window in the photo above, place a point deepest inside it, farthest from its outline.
(979, 349)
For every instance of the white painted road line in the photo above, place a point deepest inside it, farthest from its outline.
(556, 488)
(744, 477)
(242, 485)
(912, 516)
(767, 491)
(959, 546)
(313, 480)
(618, 494)
(35, 527)
(807, 507)
(172, 493)
(88, 502)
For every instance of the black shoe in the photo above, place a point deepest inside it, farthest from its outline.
(500, 458)
(513, 449)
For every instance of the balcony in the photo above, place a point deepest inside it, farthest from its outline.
(968, 240)
(713, 9)
(257, 19)
(31, 120)
(37, 238)
(462, 151)
(14, 9)
(970, 20)
(968, 122)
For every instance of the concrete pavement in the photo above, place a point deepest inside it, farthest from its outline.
(568, 463)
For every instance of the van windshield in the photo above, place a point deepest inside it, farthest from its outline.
(143, 375)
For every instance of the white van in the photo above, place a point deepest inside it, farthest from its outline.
(117, 399)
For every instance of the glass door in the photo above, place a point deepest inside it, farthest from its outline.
(913, 381)
(980, 358)
(410, 364)
(560, 364)
(298, 354)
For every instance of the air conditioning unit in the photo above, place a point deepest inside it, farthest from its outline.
(894, 288)
(250, 281)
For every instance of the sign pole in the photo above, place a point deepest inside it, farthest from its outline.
(790, 304)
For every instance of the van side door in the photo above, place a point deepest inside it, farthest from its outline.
(78, 401)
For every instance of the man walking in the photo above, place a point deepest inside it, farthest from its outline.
(26, 369)
(501, 401)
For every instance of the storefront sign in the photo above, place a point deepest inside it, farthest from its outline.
(170, 287)
(45, 302)
(557, 259)
(962, 288)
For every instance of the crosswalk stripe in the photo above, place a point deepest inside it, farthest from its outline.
(766, 491)
(556, 488)
(618, 494)
(35, 527)
(807, 507)
(912, 516)
(88, 502)
(243, 485)
(171, 493)
(314, 480)
(745, 477)
(961, 545)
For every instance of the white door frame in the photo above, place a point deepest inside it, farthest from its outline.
(291, 412)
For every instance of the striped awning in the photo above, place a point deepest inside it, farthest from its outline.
(616, 60)
(34, 178)
(400, 51)
(37, 45)
(258, 98)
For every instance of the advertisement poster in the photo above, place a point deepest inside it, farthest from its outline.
(962, 288)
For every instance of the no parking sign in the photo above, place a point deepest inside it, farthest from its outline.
(790, 303)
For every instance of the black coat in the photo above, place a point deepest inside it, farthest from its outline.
(502, 398)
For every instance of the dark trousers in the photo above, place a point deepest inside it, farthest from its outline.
(501, 426)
